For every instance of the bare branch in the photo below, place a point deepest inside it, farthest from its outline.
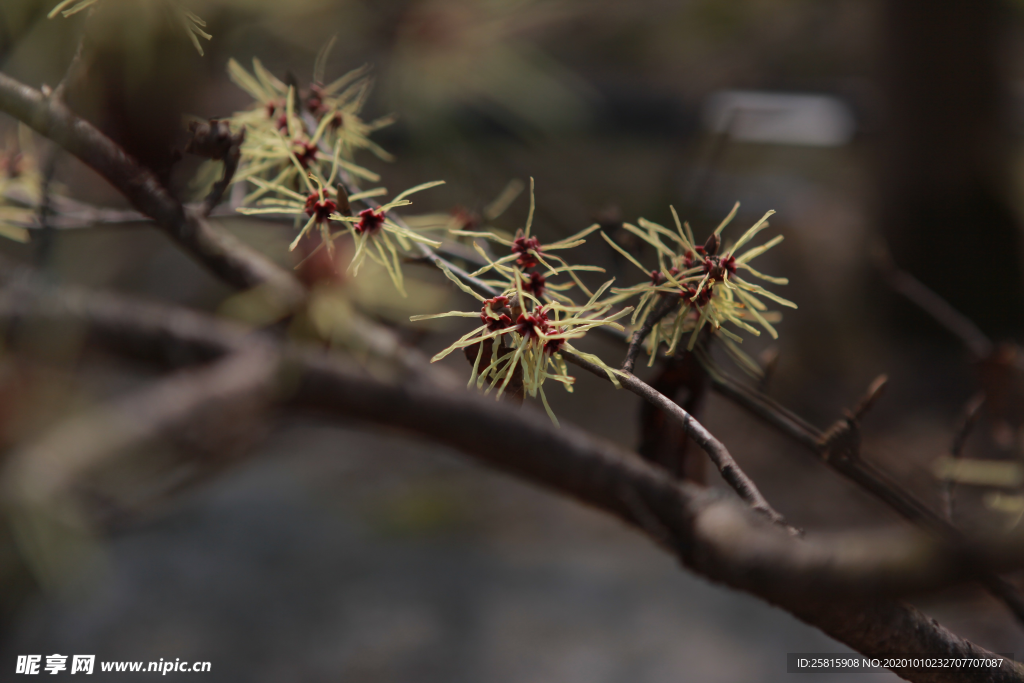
(523, 441)
(769, 361)
(965, 425)
(712, 535)
(75, 67)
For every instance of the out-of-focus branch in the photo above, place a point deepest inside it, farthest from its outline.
(230, 259)
(75, 67)
(47, 469)
(958, 324)
(728, 538)
(713, 536)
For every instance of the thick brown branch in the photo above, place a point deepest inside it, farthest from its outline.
(718, 539)
(525, 441)
(714, 536)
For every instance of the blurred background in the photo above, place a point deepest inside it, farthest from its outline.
(333, 552)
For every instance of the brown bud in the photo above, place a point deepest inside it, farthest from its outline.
(344, 208)
(712, 245)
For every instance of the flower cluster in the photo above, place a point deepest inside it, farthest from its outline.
(524, 329)
(296, 147)
(520, 337)
(711, 283)
(290, 134)
(530, 265)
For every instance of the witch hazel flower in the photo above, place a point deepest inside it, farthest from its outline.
(712, 285)
(338, 105)
(530, 263)
(313, 209)
(381, 238)
(526, 337)
(280, 148)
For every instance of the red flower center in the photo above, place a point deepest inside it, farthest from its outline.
(495, 306)
(717, 266)
(11, 165)
(321, 208)
(465, 218)
(305, 153)
(690, 291)
(553, 346)
(523, 246)
(535, 285)
(370, 220)
(315, 101)
(529, 325)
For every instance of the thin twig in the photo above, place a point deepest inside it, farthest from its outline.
(75, 67)
(45, 239)
(716, 450)
(769, 362)
(874, 392)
